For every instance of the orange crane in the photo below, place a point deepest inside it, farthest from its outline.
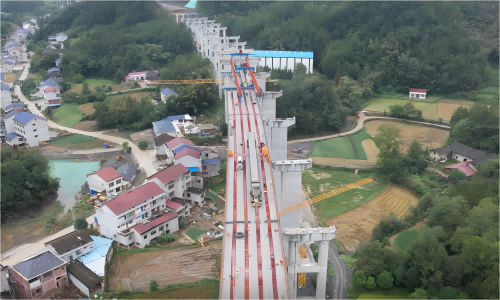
(326, 195)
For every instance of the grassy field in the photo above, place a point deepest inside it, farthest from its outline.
(199, 291)
(358, 139)
(87, 108)
(334, 148)
(68, 115)
(195, 232)
(429, 109)
(319, 180)
(135, 96)
(124, 134)
(378, 293)
(93, 82)
(75, 139)
(404, 239)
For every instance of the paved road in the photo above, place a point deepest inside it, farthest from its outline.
(141, 156)
(363, 118)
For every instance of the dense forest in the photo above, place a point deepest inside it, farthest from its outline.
(26, 182)
(109, 39)
(446, 47)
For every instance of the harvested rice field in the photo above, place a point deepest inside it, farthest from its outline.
(447, 107)
(356, 225)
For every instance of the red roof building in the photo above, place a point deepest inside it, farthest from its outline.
(464, 167)
(107, 174)
(133, 198)
(173, 205)
(171, 173)
(55, 101)
(418, 93)
(178, 141)
(142, 228)
(187, 151)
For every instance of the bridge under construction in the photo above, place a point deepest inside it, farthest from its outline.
(265, 252)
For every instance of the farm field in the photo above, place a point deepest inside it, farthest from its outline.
(369, 148)
(427, 136)
(87, 126)
(68, 115)
(358, 139)
(135, 271)
(429, 110)
(404, 239)
(334, 148)
(195, 232)
(92, 82)
(135, 96)
(319, 180)
(356, 225)
(87, 108)
(447, 107)
(208, 290)
(77, 142)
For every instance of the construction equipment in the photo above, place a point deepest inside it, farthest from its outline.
(326, 195)
(301, 277)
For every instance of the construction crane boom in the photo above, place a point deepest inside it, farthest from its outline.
(326, 195)
(191, 81)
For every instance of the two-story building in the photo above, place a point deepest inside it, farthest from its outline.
(189, 158)
(180, 206)
(175, 143)
(14, 106)
(175, 179)
(132, 217)
(35, 276)
(195, 195)
(160, 147)
(210, 167)
(106, 181)
(166, 126)
(72, 245)
(32, 128)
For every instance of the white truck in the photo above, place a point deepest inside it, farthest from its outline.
(239, 163)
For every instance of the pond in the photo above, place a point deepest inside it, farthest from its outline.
(73, 174)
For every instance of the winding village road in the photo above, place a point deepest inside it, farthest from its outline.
(14, 255)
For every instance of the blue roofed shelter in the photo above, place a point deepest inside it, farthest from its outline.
(95, 260)
(167, 92)
(284, 60)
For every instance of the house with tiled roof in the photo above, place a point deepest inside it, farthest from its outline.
(210, 167)
(174, 179)
(31, 130)
(166, 126)
(36, 275)
(52, 99)
(461, 152)
(49, 82)
(54, 72)
(106, 181)
(464, 167)
(72, 245)
(418, 93)
(138, 216)
(189, 158)
(160, 145)
(136, 76)
(14, 106)
(167, 92)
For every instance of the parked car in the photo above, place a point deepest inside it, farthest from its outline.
(239, 235)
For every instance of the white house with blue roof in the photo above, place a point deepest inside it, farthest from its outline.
(168, 127)
(30, 130)
(6, 95)
(210, 167)
(95, 260)
(167, 92)
(49, 82)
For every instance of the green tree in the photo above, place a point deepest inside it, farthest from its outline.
(455, 176)
(334, 121)
(385, 280)
(448, 292)
(153, 286)
(419, 294)
(415, 151)
(79, 78)
(143, 144)
(448, 213)
(85, 89)
(359, 279)
(478, 256)
(370, 284)
(80, 223)
(387, 138)
(125, 145)
(223, 128)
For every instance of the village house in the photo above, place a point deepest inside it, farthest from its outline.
(84, 279)
(28, 24)
(56, 89)
(175, 143)
(136, 76)
(174, 179)
(165, 93)
(463, 167)
(207, 129)
(165, 126)
(196, 196)
(95, 260)
(7, 65)
(52, 99)
(6, 95)
(54, 72)
(60, 37)
(14, 106)
(8, 119)
(15, 51)
(210, 167)
(180, 206)
(31, 130)
(461, 153)
(33, 277)
(181, 120)
(128, 173)
(106, 181)
(9, 79)
(58, 61)
(137, 216)
(418, 93)
(72, 245)
(23, 32)
(160, 147)
(153, 75)
(49, 82)
(51, 49)
(189, 158)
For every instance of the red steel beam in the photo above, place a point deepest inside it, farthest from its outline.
(257, 88)
(236, 79)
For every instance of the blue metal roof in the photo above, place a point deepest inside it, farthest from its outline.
(210, 161)
(191, 4)
(12, 113)
(49, 82)
(15, 104)
(22, 30)
(163, 126)
(7, 62)
(193, 169)
(182, 147)
(175, 118)
(13, 135)
(168, 91)
(2, 75)
(287, 54)
(101, 247)
(25, 117)
(4, 87)
(54, 69)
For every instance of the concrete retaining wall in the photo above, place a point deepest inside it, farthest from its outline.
(89, 156)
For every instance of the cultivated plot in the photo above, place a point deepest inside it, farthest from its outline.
(429, 110)
(427, 136)
(447, 107)
(356, 225)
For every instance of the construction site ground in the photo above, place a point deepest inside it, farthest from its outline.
(356, 225)
(135, 271)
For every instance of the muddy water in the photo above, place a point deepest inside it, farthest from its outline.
(72, 174)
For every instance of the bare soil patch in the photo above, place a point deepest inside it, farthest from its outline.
(357, 225)
(447, 107)
(371, 151)
(426, 136)
(147, 134)
(87, 126)
(130, 272)
(87, 108)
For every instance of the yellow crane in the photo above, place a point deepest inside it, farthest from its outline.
(326, 195)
